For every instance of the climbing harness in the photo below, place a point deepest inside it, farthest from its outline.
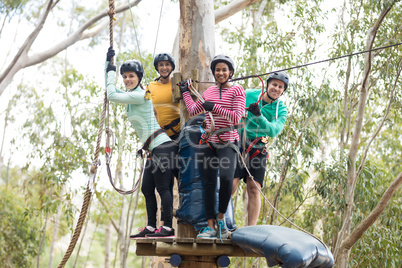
(171, 125)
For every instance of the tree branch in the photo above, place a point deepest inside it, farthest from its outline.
(381, 124)
(78, 35)
(231, 9)
(21, 60)
(30, 39)
(108, 212)
(373, 216)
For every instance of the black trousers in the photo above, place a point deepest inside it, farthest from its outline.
(217, 160)
(159, 173)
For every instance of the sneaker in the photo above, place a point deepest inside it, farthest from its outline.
(143, 232)
(162, 233)
(207, 233)
(222, 232)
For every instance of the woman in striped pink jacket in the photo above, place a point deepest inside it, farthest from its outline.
(225, 102)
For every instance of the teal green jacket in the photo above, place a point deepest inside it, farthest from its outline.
(140, 111)
(272, 119)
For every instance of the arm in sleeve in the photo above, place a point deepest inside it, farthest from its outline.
(273, 128)
(193, 108)
(233, 116)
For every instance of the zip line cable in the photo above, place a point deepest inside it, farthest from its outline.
(321, 61)
(308, 64)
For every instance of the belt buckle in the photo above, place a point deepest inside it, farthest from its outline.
(264, 140)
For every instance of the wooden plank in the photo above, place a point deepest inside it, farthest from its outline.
(176, 95)
(167, 249)
(209, 248)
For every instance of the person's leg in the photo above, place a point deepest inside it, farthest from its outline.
(207, 161)
(227, 164)
(235, 185)
(254, 202)
(209, 170)
(257, 167)
(148, 190)
(163, 181)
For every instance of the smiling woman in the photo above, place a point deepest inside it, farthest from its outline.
(167, 112)
(225, 103)
(157, 144)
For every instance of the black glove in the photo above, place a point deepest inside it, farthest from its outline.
(254, 109)
(183, 85)
(110, 54)
(208, 106)
(110, 67)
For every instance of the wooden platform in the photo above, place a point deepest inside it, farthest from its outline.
(190, 247)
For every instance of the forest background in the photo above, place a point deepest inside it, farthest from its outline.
(334, 170)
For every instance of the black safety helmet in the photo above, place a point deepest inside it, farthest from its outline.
(133, 66)
(164, 56)
(222, 58)
(284, 77)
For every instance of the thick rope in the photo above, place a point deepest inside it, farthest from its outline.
(88, 194)
(93, 169)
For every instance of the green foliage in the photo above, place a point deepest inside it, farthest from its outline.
(308, 153)
(7, 6)
(19, 234)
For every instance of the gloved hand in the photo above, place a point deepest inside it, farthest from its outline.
(110, 54)
(183, 85)
(208, 106)
(110, 67)
(254, 109)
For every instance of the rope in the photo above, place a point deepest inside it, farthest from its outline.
(94, 165)
(273, 207)
(157, 32)
(135, 32)
(199, 96)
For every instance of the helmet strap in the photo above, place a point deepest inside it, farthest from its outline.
(269, 97)
(164, 77)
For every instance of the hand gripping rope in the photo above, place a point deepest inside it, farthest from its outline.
(199, 96)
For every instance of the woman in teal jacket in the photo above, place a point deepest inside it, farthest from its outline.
(264, 119)
(159, 167)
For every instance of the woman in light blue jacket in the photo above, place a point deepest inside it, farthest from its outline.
(162, 151)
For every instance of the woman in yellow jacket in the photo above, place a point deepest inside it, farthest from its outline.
(167, 112)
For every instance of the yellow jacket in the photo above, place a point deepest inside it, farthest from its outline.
(166, 110)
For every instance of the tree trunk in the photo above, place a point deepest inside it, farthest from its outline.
(197, 42)
(55, 229)
(108, 243)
